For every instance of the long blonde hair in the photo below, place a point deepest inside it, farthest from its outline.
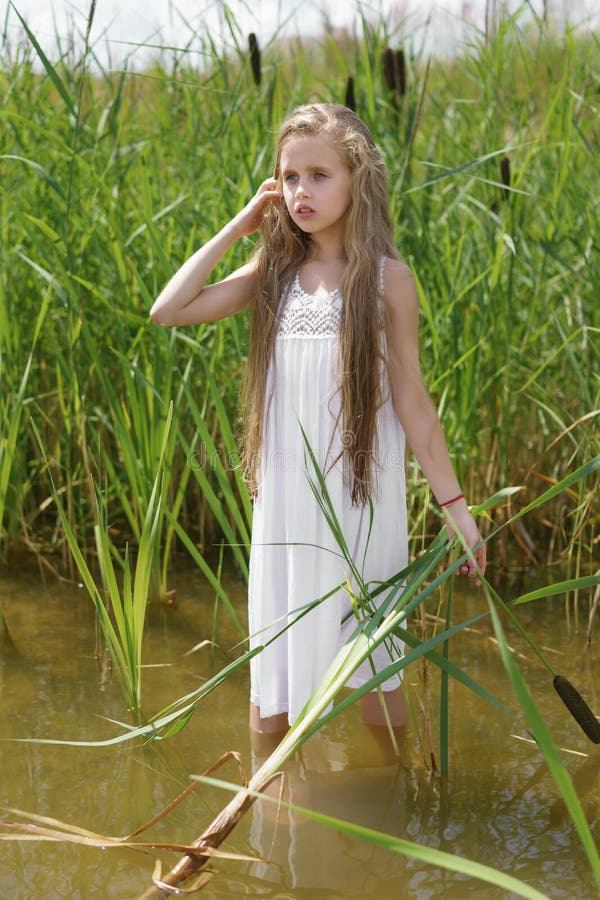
(368, 238)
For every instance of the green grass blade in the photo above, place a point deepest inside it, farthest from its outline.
(207, 572)
(559, 587)
(50, 70)
(12, 413)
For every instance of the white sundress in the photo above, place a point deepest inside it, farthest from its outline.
(302, 387)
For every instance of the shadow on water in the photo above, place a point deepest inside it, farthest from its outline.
(498, 805)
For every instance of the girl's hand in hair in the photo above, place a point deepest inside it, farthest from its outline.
(187, 299)
(250, 218)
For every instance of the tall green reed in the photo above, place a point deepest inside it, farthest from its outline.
(121, 607)
(12, 407)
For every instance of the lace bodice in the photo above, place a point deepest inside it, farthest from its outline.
(307, 315)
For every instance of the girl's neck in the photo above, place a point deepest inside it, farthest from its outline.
(322, 273)
(326, 251)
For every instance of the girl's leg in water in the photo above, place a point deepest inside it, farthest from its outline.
(370, 710)
(269, 724)
(395, 703)
(266, 733)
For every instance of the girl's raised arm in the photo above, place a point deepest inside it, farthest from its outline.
(187, 299)
(415, 410)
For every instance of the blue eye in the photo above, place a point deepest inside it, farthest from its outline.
(289, 176)
(320, 175)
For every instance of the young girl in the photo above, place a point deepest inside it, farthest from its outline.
(334, 356)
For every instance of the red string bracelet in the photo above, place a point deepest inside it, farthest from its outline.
(454, 499)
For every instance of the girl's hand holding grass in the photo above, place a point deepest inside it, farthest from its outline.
(460, 521)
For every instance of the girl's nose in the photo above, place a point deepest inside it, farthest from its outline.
(301, 191)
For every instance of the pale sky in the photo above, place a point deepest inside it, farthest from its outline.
(116, 22)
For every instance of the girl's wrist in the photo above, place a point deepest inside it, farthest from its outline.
(453, 502)
(456, 498)
(456, 509)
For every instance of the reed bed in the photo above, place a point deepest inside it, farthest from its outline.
(111, 178)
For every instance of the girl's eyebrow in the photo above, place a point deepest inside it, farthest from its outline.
(290, 169)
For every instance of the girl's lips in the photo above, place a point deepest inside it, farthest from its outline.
(304, 211)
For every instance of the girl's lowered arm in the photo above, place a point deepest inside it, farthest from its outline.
(413, 406)
(187, 299)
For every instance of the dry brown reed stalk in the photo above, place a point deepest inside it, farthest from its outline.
(189, 865)
(421, 617)
(212, 837)
(42, 561)
(525, 542)
(593, 610)
(254, 50)
(426, 739)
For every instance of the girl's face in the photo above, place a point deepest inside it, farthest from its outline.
(316, 185)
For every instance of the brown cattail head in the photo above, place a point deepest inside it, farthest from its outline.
(254, 57)
(505, 175)
(400, 72)
(394, 71)
(578, 708)
(350, 101)
(387, 65)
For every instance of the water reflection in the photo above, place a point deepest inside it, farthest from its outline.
(351, 775)
(498, 805)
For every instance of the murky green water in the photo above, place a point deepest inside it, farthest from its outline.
(497, 805)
